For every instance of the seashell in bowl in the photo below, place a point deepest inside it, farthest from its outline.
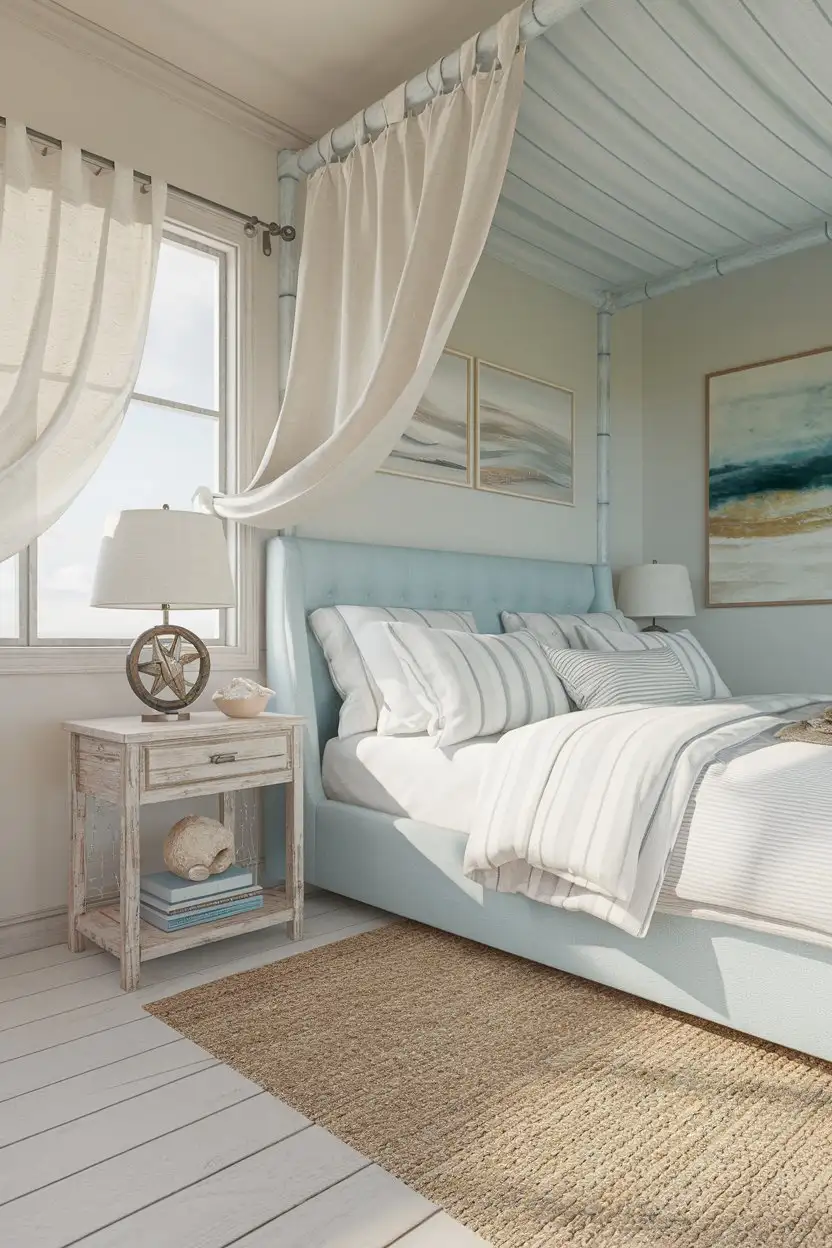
(242, 698)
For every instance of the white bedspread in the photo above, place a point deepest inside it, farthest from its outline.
(583, 812)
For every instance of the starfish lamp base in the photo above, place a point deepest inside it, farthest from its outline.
(167, 669)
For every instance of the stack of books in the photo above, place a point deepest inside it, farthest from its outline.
(171, 903)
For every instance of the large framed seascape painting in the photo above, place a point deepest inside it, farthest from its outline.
(770, 482)
(524, 436)
(437, 444)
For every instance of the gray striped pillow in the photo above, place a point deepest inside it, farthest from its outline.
(339, 633)
(476, 685)
(592, 680)
(560, 631)
(684, 645)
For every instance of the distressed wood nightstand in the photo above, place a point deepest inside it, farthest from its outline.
(131, 763)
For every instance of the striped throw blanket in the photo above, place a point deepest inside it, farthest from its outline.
(583, 811)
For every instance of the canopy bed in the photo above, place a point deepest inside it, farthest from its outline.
(618, 149)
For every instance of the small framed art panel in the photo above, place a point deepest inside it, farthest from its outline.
(769, 504)
(524, 436)
(438, 443)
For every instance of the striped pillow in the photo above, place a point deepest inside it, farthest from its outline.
(592, 680)
(560, 631)
(475, 685)
(339, 634)
(684, 645)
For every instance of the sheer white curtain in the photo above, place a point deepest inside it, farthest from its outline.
(392, 236)
(78, 258)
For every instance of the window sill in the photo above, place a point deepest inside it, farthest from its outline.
(83, 660)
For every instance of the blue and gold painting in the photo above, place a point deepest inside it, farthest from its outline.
(770, 482)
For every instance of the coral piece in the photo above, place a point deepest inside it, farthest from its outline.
(197, 847)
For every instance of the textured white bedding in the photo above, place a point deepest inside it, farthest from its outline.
(407, 776)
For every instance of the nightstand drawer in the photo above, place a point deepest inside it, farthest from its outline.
(197, 762)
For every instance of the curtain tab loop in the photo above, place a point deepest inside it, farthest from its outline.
(508, 38)
(394, 105)
(468, 59)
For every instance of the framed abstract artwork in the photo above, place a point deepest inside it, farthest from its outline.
(770, 482)
(524, 436)
(438, 444)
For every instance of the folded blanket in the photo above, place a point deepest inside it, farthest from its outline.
(583, 811)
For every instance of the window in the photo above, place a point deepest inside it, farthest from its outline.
(179, 432)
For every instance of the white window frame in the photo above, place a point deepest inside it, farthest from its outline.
(27, 655)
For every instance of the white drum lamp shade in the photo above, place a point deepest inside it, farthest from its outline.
(174, 558)
(656, 589)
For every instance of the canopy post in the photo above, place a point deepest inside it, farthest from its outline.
(288, 176)
(604, 432)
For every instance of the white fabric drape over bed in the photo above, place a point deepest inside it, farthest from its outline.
(392, 236)
(78, 257)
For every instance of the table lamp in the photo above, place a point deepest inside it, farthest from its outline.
(652, 589)
(161, 561)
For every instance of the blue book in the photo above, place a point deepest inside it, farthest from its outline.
(175, 922)
(203, 903)
(172, 888)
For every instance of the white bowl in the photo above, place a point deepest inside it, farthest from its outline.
(242, 708)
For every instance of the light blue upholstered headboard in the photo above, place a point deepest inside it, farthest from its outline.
(303, 573)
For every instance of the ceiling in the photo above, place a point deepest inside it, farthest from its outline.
(310, 64)
(657, 134)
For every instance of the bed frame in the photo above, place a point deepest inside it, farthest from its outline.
(769, 986)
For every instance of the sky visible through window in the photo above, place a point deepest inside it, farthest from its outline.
(160, 455)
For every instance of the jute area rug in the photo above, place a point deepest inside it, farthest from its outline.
(537, 1108)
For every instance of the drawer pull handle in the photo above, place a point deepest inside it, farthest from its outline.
(223, 758)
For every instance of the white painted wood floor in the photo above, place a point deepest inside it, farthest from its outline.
(117, 1133)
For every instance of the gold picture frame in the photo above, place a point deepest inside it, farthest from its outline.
(514, 419)
(438, 444)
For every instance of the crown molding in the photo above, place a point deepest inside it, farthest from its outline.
(53, 20)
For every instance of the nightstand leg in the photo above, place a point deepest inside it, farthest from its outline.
(130, 869)
(294, 837)
(78, 855)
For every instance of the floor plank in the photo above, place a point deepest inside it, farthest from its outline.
(28, 983)
(368, 1210)
(217, 1211)
(96, 1089)
(75, 1146)
(52, 955)
(83, 1020)
(53, 1065)
(96, 1198)
(440, 1231)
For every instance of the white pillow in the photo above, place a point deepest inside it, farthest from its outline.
(684, 645)
(594, 680)
(338, 631)
(560, 631)
(475, 685)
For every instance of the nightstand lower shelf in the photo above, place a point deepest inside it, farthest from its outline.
(103, 927)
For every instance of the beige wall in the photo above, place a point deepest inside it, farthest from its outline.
(781, 307)
(513, 320)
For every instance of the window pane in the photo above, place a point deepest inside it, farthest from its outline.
(9, 600)
(160, 456)
(181, 354)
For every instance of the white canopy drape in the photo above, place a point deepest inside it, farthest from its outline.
(392, 236)
(78, 259)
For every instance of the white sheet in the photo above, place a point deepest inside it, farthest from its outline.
(408, 776)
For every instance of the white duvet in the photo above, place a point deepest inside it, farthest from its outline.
(583, 812)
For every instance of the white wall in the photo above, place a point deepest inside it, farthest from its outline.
(780, 308)
(513, 320)
(78, 97)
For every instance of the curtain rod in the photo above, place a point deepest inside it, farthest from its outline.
(251, 223)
